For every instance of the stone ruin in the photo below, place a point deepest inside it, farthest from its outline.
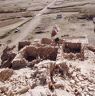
(23, 44)
(46, 41)
(73, 50)
(40, 69)
(30, 54)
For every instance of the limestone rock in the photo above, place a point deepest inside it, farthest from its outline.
(5, 74)
(19, 63)
(7, 50)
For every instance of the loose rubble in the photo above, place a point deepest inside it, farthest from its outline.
(49, 73)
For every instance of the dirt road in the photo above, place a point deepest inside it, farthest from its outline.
(30, 26)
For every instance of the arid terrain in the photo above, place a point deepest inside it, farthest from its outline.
(40, 16)
(33, 20)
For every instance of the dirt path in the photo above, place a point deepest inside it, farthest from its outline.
(8, 28)
(28, 28)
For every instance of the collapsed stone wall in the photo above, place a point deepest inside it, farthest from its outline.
(72, 47)
(50, 42)
(46, 41)
(47, 53)
(23, 44)
(73, 50)
(30, 53)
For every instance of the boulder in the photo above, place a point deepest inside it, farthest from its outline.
(5, 74)
(7, 50)
(7, 57)
(19, 63)
(7, 62)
